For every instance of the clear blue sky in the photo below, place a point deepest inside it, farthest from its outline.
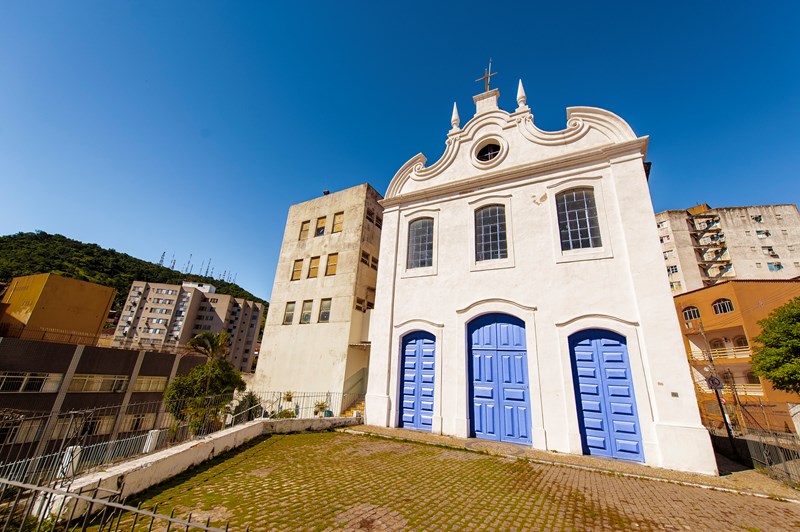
(190, 127)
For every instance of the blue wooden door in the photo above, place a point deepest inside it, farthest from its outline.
(499, 379)
(419, 350)
(607, 413)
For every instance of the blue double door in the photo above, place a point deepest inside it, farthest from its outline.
(607, 413)
(418, 368)
(498, 376)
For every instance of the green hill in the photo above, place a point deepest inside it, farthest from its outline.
(39, 252)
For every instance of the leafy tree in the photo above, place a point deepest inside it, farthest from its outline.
(201, 394)
(776, 352)
(212, 346)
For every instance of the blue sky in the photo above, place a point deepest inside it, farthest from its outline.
(190, 127)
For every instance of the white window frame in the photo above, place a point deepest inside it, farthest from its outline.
(574, 255)
(503, 200)
(407, 218)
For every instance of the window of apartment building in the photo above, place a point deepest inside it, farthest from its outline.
(150, 384)
(774, 266)
(768, 250)
(722, 306)
(324, 311)
(672, 269)
(420, 243)
(747, 233)
(333, 261)
(313, 267)
(753, 249)
(305, 315)
(206, 327)
(320, 230)
(378, 222)
(305, 227)
(297, 269)
(740, 341)
(371, 215)
(691, 313)
(374, 263)
(370, 297)
(758, 264)
(717, 343)
(790, 247)
(490, 233)
(675, 286)
(338, 220)
(668, 254)
(288, 314)
(19, 381)
(763, 233)
(797, 264)
(784, 232)
(361, 304)
(663, 224)
(365, 257)
(757, 218)
(214, 300)
(98, 383)
(664, 239)
(577, 220)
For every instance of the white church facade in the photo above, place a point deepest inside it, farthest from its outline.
(522, 295)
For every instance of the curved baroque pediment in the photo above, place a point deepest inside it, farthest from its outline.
(587, 128)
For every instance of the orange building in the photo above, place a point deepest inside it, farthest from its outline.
(59, 309)
(718, 324)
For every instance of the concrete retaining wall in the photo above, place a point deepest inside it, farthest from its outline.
(141, 473)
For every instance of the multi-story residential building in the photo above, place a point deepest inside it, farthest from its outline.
(703, 246)
(522, 299)
(718, 324)
(55, 308)
(315, 339)
(165, 316)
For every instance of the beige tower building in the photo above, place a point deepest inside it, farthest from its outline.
(160, 316)
(315, 338)
(703, 246)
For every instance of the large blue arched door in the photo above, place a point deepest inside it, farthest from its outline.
(607, 413)
(418, 368)
(499, 391)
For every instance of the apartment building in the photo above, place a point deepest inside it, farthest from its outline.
(315, 339)
(50, 307)
(718, 324)
(703, 246)
(165, 316)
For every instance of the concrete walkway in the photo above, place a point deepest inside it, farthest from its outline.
(345, 481)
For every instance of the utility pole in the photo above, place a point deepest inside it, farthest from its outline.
(707, 353)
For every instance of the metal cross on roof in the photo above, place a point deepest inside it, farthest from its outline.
(487, 74)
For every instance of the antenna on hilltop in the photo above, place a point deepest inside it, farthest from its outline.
(161, 260)
(234, 277)
(209, 266)
(212, 273)
(188, 263)
(172, 262)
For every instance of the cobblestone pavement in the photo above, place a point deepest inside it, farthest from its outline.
(343, 481)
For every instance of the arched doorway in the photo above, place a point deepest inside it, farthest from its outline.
(498, 378)
(418, 369)
(607, 411)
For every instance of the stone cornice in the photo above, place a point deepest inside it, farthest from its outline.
(632, 149)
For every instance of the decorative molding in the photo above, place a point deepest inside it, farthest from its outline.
(495, 300)
(601, 316)
(417, 320)
(596, 155)
(573, 179)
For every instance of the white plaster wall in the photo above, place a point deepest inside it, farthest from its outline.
(620, 287)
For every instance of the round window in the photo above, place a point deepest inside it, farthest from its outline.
(488, 152)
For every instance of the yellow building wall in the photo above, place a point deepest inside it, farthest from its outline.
(48, 302)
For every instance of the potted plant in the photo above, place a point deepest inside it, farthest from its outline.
(320, 408)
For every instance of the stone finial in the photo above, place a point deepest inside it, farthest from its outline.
(455, 120)
(522, 100)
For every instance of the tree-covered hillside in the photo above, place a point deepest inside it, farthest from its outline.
(39, 252)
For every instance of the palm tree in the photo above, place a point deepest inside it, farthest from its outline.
(212, 346)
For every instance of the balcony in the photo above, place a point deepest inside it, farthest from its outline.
(721, 353)
(747, 389)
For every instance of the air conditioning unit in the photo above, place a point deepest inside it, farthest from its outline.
(324, 316)
(306, 317)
